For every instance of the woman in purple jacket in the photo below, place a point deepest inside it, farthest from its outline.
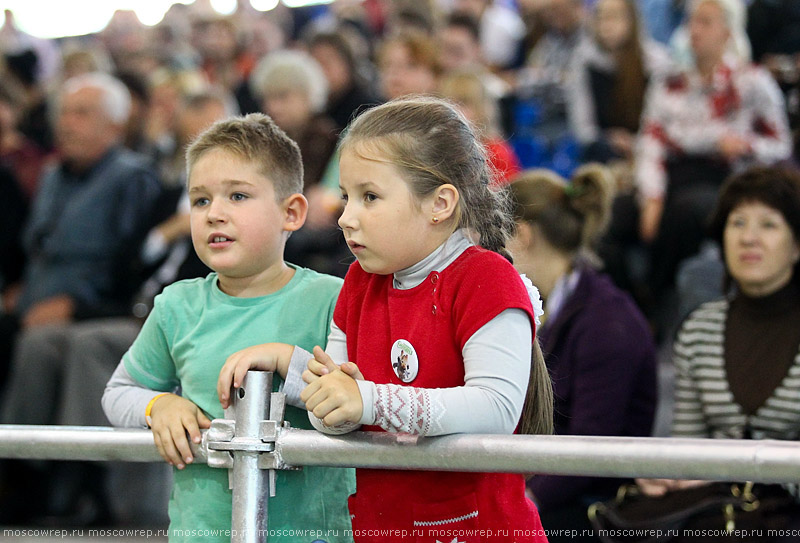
(596, 342)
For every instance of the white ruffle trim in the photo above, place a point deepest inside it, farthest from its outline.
(536, 299)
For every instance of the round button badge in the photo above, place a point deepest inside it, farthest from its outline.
(404, 360)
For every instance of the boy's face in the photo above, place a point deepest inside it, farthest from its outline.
(238, 226)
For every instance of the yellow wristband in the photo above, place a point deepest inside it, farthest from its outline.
(150, 406)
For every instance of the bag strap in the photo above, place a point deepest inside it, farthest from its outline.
(742, 498)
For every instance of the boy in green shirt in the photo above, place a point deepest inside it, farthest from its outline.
(245, 183)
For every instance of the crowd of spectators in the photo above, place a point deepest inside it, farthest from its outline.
(671, 96)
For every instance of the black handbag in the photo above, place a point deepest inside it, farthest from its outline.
(717, 512)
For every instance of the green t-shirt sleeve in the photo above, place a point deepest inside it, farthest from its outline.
(149, 360)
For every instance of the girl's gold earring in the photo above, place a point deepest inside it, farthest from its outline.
(435, 219)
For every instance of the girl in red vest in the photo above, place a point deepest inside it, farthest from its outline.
(437, 324)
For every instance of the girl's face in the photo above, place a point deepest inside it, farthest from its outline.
(385, 226)
(402, 75)
(708, 31)
(760, 248)
(612, 24)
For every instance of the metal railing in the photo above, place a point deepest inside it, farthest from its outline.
(253, 442)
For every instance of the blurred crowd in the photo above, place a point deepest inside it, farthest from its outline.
(664, 98)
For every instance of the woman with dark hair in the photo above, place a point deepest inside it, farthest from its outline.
(596, 343)
(737, 359)
(348, 94)
(610, 72)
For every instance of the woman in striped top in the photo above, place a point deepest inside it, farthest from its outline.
(737, 360)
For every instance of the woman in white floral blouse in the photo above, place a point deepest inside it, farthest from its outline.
(699, 125)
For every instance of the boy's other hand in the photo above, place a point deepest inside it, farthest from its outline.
(334, 398)
(173, 417)
(321, 364)
(266, 357)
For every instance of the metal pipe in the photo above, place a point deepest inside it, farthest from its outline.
(80, 443)
(250, 484)
(767, 461)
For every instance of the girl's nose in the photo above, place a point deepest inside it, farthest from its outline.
(346, 219)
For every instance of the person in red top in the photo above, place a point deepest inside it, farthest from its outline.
(469, 90)
(436, 326)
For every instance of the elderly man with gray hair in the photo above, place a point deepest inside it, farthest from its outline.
(292, 89)
(88, 219)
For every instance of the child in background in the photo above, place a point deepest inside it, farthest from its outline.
(245, 187)
(439, 330)
(467, 88)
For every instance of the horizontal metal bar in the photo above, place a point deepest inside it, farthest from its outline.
(79, 443)
(766, 461)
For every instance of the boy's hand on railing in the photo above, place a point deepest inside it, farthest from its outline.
(266, 357)
(323, 364)
(333, 397)
(172, 418)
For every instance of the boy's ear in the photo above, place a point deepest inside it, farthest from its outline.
(445, 201)
(296, 209)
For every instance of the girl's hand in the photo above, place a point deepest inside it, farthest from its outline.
(173, 417)
(266, 357)
(323, 364)
(334, 398)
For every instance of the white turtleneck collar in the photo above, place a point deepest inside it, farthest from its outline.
(438, 260)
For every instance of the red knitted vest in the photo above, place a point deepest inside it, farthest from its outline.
(435, 319)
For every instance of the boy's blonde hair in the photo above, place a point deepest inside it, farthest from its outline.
(254, 137)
